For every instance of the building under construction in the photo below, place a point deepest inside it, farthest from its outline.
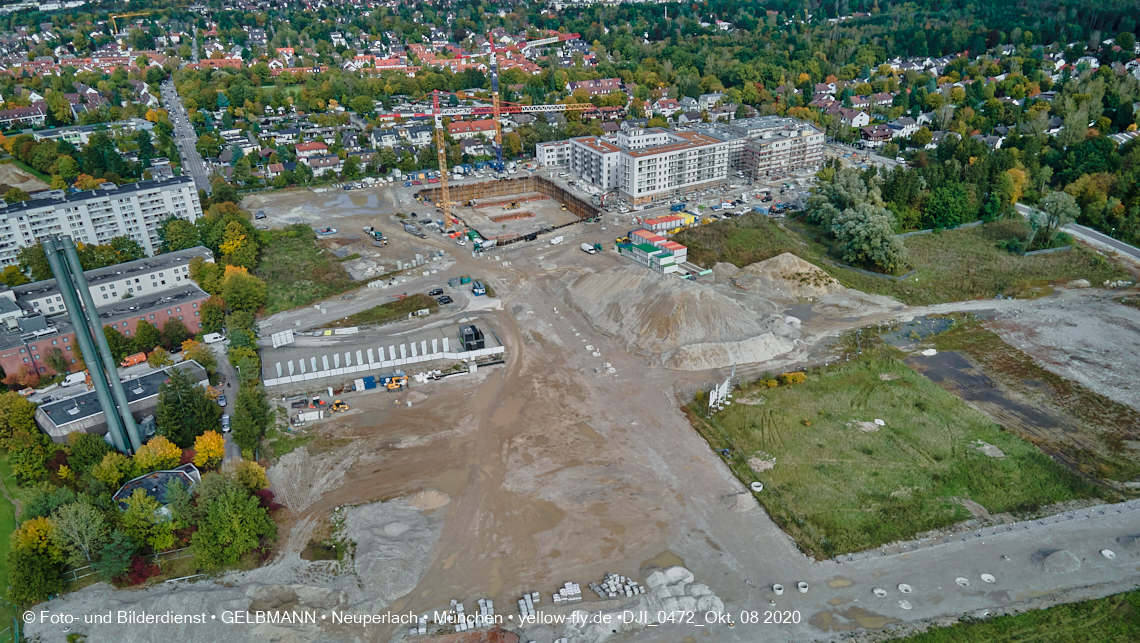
(513, 209)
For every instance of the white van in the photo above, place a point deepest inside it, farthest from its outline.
(74, 378)
(213, 338)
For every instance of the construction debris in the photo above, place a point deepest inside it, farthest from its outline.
(613, 585)
(570, 592)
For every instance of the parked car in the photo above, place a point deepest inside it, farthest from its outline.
(222, 400)
(434, 292)
(416, 183)
(433, 180)
(407, 184)
(226, 423)
(444, 300)
(326, 231)
(260, 214)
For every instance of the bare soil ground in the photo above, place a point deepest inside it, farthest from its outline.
(17, 178)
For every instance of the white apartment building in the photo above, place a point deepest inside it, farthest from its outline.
(646, 165)
(553, 153)
(769, 146)
(132, 279)
(97, 216)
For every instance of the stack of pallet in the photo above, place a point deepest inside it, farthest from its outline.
(527, 603)
(486, 617)
(460, 618)
(613, 586)
(569, 592)
(421, 628)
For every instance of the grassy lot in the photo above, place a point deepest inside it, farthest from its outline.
(951, 266)
(1115, 619)
(1099, 450)
(297, 270)
(390, 311)
(836, 488)
(7, 526)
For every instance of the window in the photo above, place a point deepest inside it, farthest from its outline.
(152, 316)
(25, 359)
(168, 311)
(72, 359)
(69, 348)
(51, 309)
(104, 296)
(54, 342)
(180, 318)
(102, 288)
(178, 310)
(33, 347)
(163, 282)
(59, 299)
(196, 313)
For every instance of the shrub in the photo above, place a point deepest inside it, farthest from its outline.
(789, 379)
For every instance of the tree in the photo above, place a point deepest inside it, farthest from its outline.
(243, 291)
(249, 474)
(143, 523)
(32, 259)
(87, 451)
(159, 454)
(115, 556)
(948, 206)
(57, 183)
(79, 529)
(16, 414)
(866, 234)
(201, 353)
(184, 410)
(113, 469)
(1058, 209)
(147, 337)
(28, 453)
(351, 168)
(56, 361)
(126, 249)
(159, 358)
(35, 563)
(210, 448)
(251, 416)
(12, 276)
(177, 234)
(16, 195)
(224, 193)
(120, 346)
(234, 525)
(174, 332)
(213, 315)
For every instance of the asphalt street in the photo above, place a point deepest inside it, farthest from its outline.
(185, 138)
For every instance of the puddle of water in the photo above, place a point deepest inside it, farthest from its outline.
(589, 432)
(664, 560)
(801, 311)
(907, 335)
(451, 481)
(850, 619)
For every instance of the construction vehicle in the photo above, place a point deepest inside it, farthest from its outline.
(394, 382)
(338, 407)
(621, 240)
(563, 206)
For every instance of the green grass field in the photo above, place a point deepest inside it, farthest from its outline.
(297, 270)
(950, 266)
(1114, 619)
(390, 311)
(836, 488)
(7, 526)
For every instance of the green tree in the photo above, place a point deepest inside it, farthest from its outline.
(16, 414)
(147, 337)
(33, 260)
(113, 469)
(174, 332)
(177, 234)
(1058, 209)
(213, 315)
(866, 234)
(80, 530)
(201, 353)
(33, 576)
(126, 249)
(28, 453)
(243, 292)
(234, 525)
(947, 207)
(351, 169)
(224, 193)
(16, 195)
(56, 361)
(144, 524)
(13, 276)
(120, 346)
(251, 417)
(115, 556)
(87, 450)
(159, 358)
(184, 410)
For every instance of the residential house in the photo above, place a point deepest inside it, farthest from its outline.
(708, 101)
(308, 150)
(903, 127)
(875, 135)
(323, 164)
(460, 130)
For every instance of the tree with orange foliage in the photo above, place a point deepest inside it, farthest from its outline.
(210, 448)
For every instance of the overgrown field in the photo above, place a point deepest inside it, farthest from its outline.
(297, 270)
(1099, 449)
(1114, 619)
(839, 485)
(390, 311)
(950, 266)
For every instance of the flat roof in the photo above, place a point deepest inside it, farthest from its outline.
(101, 193)
(81, 407)
(692, 140)
(38, 289)
(596, 143)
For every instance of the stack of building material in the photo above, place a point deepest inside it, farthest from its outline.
(461, 624)
(486, 616)
(526, 605)
(569, 592)
(613, 586)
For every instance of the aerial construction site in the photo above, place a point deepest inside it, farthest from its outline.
(564, 478)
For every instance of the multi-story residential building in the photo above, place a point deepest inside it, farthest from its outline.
(646, 165)
(460, 130)
(79, 135)
(599, 87)
(776, 146)
(96, 216)
(113, 283)
(553, 153)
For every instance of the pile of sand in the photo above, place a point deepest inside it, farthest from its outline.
(655, 314)
(784, 276)
(17, 178)
(1061, 561)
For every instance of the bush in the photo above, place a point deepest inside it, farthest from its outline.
(789, 379)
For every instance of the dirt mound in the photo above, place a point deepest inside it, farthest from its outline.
(699, 357)
(652, 313)
(1129, 543)
(1061, 561)
(429, 499)
(17, 178)
(785, 275)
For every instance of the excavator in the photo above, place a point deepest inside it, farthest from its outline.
(397, 382)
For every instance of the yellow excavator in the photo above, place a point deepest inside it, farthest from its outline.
(397, 382)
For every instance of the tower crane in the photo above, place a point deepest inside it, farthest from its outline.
(495, 78)
(115, 28)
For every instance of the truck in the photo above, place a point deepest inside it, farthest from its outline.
(131, 360)
(588, 249)
(74, 378)
(212, 338)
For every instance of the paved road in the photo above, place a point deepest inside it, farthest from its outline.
(229, 386)
(1089, 234)
(185, 138)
